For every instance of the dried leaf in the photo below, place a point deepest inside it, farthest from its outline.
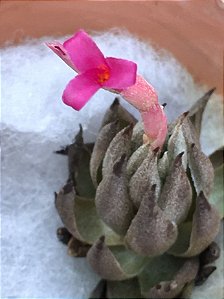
(204, 274)
(81, 219)
(63, 235)
(115, 263)
(205, 227)
(197, 110)
(166, 276)
(211, 253)
(202, 171)
(144, 178)
(119, 146)
(217, 196)
(79, 158)
(150, 233)
(104, 138)
(123, 289)
(176, 196)
(117, 112)
(99, 291)
(77, 248)
(112, 199)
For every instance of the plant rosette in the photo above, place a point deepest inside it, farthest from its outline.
(143, 203)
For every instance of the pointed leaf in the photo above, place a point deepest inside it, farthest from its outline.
(115, 263)
(177, 143)
(112, 199)
(217, 196)
(205, 227)
(137, 136)
(197, 110)
(150, 233)
(79, 158)
(163, 166)
(144, 178)
(64, 202)
(81, 219)
(166, 276)
(202, 171)
(104, 138)
(176, 197)
(123, 289)
(190, 133)
(136, 159)
(117, 112)
(119, 146)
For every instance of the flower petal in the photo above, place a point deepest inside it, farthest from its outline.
(58, 49)
(84, 52)
(79, 90)
(122, 73)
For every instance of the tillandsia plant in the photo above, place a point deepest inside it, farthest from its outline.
(143, 203)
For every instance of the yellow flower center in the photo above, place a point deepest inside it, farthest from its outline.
(103, 74)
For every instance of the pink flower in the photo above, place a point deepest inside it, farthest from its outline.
(117, 75)
(94, 70)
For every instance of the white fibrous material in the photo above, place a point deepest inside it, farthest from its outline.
(35, 123)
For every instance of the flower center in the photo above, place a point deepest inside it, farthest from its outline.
(103, 74)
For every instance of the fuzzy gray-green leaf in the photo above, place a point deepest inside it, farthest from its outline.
(104, 138)
(165, 276)
(112, 199)
(115, 263)
(137, 136)
(202, 171)
(176, 196)
(205, 227)
(144, 178)
(177, 143)
(163, 166)
(150, 232)
(81, 219)
(64, 203)
(217, 196)
(125, 289)
(119, 146)
(197, 110)
(137, 158)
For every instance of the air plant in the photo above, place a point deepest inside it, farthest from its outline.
(143, 203)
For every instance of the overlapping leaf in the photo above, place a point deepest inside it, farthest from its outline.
(150, 232)
(81, 219)
(166, 276)
(144, 178)
(194, 238)
(115, 263)
(176, 196)
(112, 199)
